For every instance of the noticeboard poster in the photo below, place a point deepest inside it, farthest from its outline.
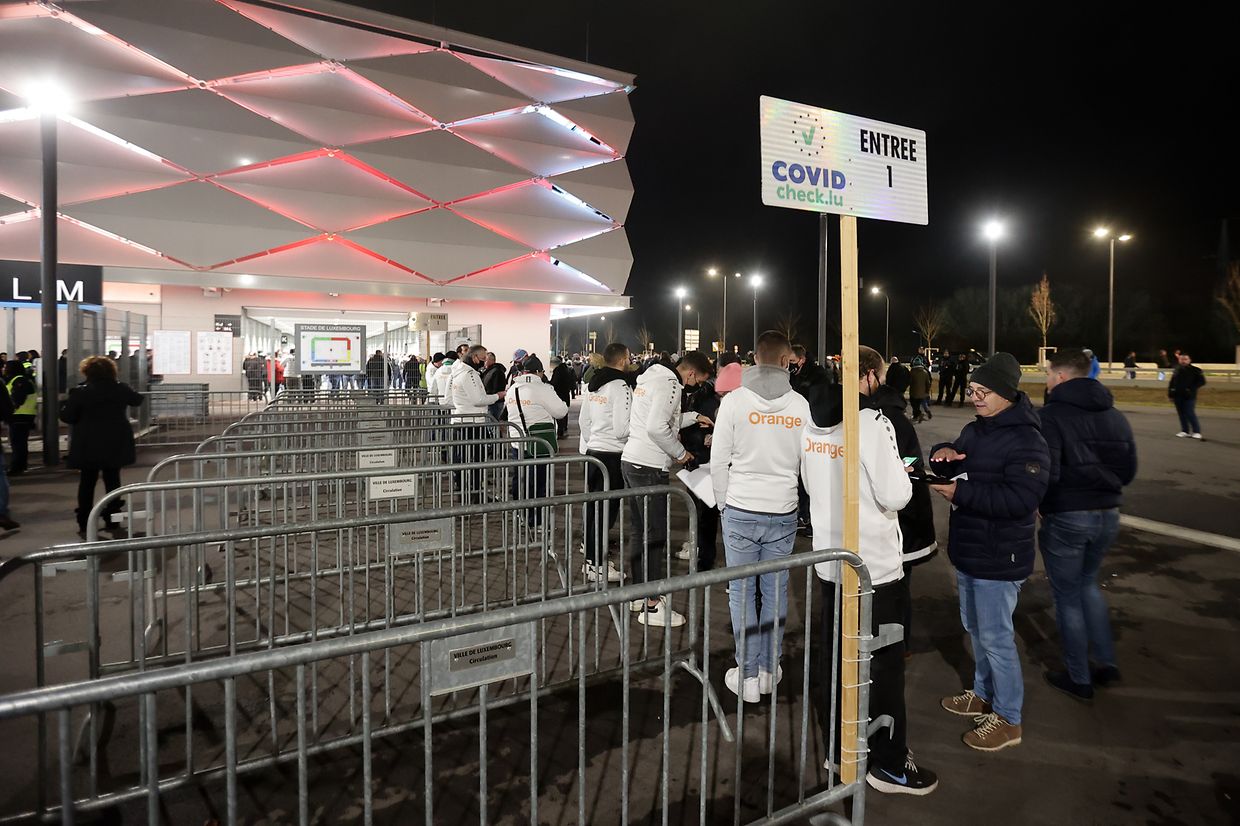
(330, 348)
(215, 353)
(170, 352)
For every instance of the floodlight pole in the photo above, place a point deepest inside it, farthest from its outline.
(1111, 310)
(680, 323)
(47, 297)
(990, 351)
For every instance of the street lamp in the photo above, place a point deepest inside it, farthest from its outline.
(1103, 232)
(755, 282)
(887, 333)
(48, 99)
(723, 322)
(993, 231)
(681, 292)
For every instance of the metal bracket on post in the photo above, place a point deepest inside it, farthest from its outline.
(888, 634)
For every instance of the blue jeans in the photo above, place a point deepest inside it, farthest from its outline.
(1073, 545)
(986, 607)
(756, 537)
(1187, 408)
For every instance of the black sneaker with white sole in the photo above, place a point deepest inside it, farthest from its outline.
(912, 780)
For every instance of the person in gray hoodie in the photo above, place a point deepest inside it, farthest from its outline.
(754, 467)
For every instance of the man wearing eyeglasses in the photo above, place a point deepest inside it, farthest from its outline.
(1000, 467)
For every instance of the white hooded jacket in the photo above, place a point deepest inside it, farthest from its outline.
(754, 455)
(885, 489)
(539, 402)
(655, 420)
(467, 392)
(443, 383)
(604, 417)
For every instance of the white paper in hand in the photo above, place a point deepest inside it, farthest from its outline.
(699, 484)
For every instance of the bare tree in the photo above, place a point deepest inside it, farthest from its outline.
(645, 337)
(1042, 308)
(931, 321)
(788, 323)
(1229, 294)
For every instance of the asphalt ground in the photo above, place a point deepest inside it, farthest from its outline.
(1159, 748)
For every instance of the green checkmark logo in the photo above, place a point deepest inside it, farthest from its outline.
(808, 137)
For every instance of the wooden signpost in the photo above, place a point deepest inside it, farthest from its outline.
(828, 162)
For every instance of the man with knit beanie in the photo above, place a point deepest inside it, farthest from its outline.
(1000, 467)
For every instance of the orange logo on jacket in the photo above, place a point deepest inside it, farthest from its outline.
(832, 450)
(775, 419)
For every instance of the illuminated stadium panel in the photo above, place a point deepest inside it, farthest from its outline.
(314, 140)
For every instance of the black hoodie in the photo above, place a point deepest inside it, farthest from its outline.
(917, 517)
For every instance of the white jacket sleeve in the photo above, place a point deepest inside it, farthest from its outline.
(621, 409)
(467, 387)
(881, 462)
(664, 408)
(583, 424)
(721, 451)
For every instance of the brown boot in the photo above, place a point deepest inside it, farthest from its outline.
(967, 704)
(992, 733)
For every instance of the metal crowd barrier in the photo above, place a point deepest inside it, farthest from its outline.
(325, 398)
(490, 473)
(395, 452)
(292, 580)
(187, 416)
(363, 433)
(461, 719)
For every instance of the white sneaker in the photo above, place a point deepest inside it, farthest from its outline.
(749, 693)
(1182, 434)
(661, 616)
(767, 681)
(597, 573)
(686, 552)
(637, 605)
(1196, 435)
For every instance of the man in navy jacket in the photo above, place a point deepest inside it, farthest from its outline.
(1001, 466)
(1093, 456)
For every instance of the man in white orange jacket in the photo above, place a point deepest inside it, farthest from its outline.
(754, 459)
(884, 490)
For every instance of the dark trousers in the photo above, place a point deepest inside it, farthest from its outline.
(19, 439)
(86, 492)
(595, 534)
(648, 520)
(1187, 408)
(958, 388)
(708, 534)
(889, 746)
(470, 481)
(945, 386)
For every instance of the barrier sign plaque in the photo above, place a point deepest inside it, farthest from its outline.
(372, 459)
(420, 537)
(370, 438)
(824, 161)
(392, 487)
(482, 657)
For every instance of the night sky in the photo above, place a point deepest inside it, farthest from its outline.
(1055, 118)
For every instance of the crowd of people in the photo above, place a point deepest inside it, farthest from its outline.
(770, 435)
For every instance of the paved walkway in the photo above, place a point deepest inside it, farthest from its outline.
(1161, 748)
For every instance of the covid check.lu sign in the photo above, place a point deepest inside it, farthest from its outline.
(824, 161)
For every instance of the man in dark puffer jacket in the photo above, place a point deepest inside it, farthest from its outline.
(1005, 467)
(1093, 456)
